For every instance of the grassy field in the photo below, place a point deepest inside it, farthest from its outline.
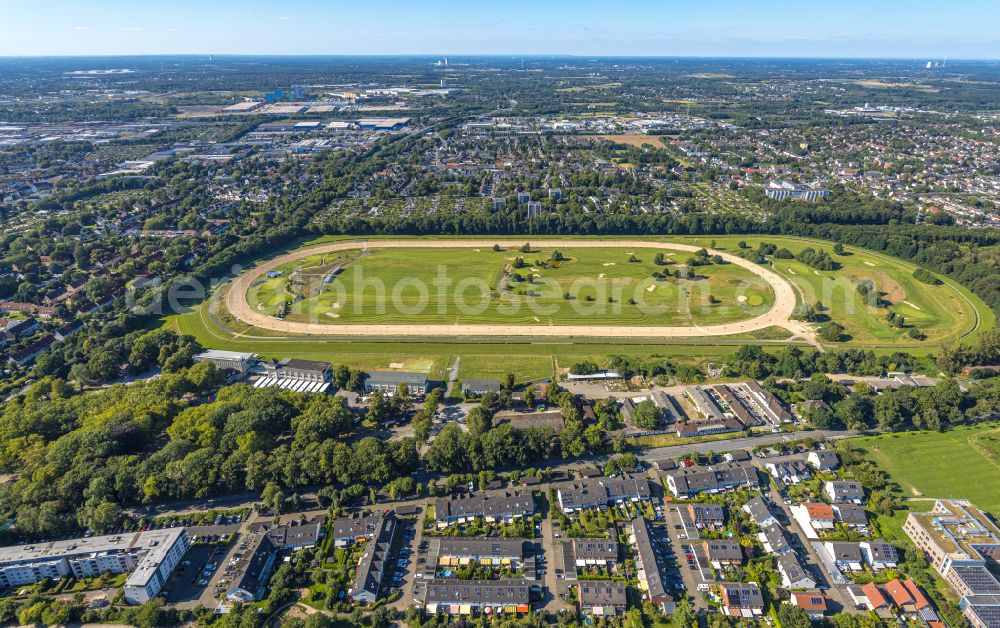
(604, 286)
(963, 463)
(944, 313)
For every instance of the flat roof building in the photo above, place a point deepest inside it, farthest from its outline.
(230, 360)
(299, 370)
(148, 557)
(389, 381)
(476, 387)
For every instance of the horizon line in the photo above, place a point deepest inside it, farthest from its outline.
(491, 55)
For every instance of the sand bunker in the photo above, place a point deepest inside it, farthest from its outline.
(792, 271)
(916, 307)
(608, 264)
(868, 263)
(333, 315)
(600, 276)
(650, 288)
(742, 298)
(396, 365)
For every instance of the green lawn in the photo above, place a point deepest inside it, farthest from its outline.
(445, 286)
(944, 313)
(961, 463)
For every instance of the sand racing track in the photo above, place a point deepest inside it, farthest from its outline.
(779, 315)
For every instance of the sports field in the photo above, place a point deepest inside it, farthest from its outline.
(606, 286)
(963, 462)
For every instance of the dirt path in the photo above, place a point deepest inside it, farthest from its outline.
(779, 315)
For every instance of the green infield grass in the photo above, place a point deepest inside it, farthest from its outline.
(612, 286)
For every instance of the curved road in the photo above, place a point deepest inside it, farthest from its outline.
(779, 315)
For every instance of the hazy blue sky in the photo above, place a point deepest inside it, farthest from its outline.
(858, 28)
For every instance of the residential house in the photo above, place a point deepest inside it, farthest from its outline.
(253, 571)
(650, 565)
(789, 471)
(823, 459)
(844, 491)
(851, 515)
(900, 595)
(374, 563)
(793, 573)
(847, 556)
(688, 482)
(296, 535)
(879, 555)
(759, 512)
(723, 552)
(774, 540)
(595, 551)
(811, 601)
(874, 598)
(602, 598)
(741, 599)
(592, 493)
(711, 516)
(818, 516)
(502, 505)
(465, 597)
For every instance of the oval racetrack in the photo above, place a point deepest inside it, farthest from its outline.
(778, 316)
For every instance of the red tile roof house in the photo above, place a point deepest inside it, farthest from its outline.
(900, 595)
(874, 595)
(811, 601)
(821, 516)
(920, 601)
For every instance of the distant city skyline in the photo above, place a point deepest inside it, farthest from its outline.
(778, 28)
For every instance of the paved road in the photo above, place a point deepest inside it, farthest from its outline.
(246, 500)
(453, 377)
(732, 444)
(815, 565)
(779, 315)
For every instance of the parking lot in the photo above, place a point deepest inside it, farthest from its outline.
(189, 584)
(687, 565)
